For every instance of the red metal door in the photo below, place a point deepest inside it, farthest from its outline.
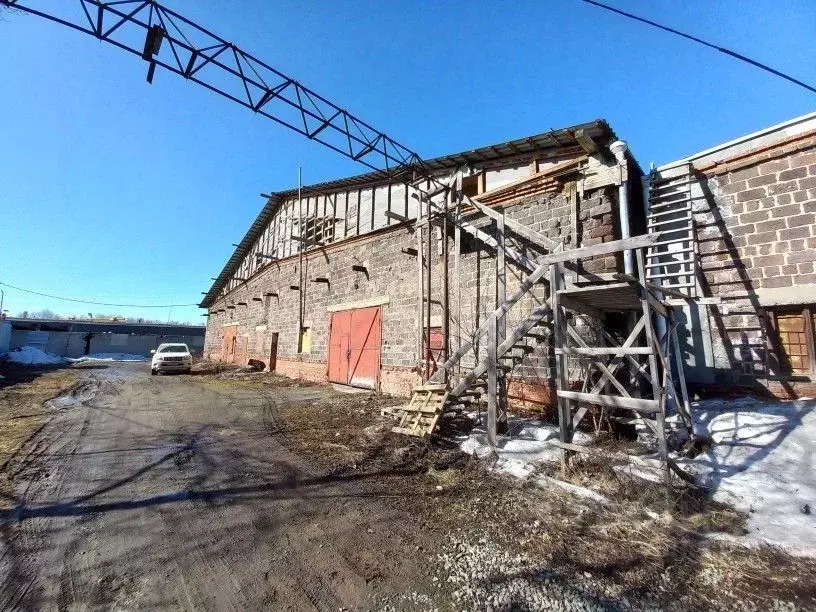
(228, 347)
(340, 328)
(354, 347)
(364, 347)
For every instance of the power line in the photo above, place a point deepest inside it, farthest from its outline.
(95, 303)
(733, 54)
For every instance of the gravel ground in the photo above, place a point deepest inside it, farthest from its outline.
(239, 490)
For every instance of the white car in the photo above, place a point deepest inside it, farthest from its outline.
(171, 358)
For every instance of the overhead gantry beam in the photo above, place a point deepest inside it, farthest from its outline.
(166, 39)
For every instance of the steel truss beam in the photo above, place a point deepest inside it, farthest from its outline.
(195, 53)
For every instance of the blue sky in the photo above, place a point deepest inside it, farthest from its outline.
(119, 191)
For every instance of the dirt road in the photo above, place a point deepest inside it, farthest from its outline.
(159, 492)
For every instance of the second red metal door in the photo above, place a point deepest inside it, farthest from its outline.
(354, 347)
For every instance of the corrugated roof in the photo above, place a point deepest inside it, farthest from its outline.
(554, 139)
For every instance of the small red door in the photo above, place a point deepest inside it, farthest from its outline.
(228, 347)
(355, 338)
(339, 331)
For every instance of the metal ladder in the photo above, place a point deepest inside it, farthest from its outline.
(672, 261)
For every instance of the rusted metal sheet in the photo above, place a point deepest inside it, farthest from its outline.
(355, 339)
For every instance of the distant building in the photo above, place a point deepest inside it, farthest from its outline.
(71, 338)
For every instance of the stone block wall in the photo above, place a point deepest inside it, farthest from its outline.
(755, 220)
(392, 280)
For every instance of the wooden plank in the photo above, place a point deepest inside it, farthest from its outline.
(492, 382)
(420, 295)
(515, 226)
(518, 333)
(457, 256)
(589, 146)
(431, 387)
(603, 350)
(685, 411)
(613, 401)
(561, 376)
(574, 447)
(605, 372)
(530, 281)
(396, 216)
(501, 281)
(618, 359)
(657, 390)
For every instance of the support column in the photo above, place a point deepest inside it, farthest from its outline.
(501, 323)
(657, 389)
(492, 380)
(427, 297)
(561, 363)
(420, 300)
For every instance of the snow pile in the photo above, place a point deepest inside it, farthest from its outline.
(110, 357)
(762, 462)
(31, 355)
(529, 442)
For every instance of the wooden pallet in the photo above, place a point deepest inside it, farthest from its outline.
(419, 417)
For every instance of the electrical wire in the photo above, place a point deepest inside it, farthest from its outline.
(733, 54)
(95, 303)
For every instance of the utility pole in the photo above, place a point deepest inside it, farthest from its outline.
(301, 246)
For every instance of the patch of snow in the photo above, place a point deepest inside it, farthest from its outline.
(31, 355)
(109, 357)
(529, 442)
(763, 463)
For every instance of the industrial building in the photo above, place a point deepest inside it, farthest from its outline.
(75, 338)
(330, 287)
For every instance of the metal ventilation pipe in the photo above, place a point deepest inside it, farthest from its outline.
(619, 148)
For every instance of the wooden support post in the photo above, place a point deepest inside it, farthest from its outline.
(685, 410)
(420, 301)
(501, 322)
(428, 293)
(492, 381)
(445, 289)
(561, 362)
(657, 390)
(457, 251)
(501, 280)
(572, 192)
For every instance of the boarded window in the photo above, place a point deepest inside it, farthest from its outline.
(795, 348)
(472, 185)
(319, 230)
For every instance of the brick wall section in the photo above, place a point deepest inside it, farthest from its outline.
(756, 230)
(394, 274)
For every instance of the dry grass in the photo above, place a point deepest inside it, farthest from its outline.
(23, 394)
(636, 546)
